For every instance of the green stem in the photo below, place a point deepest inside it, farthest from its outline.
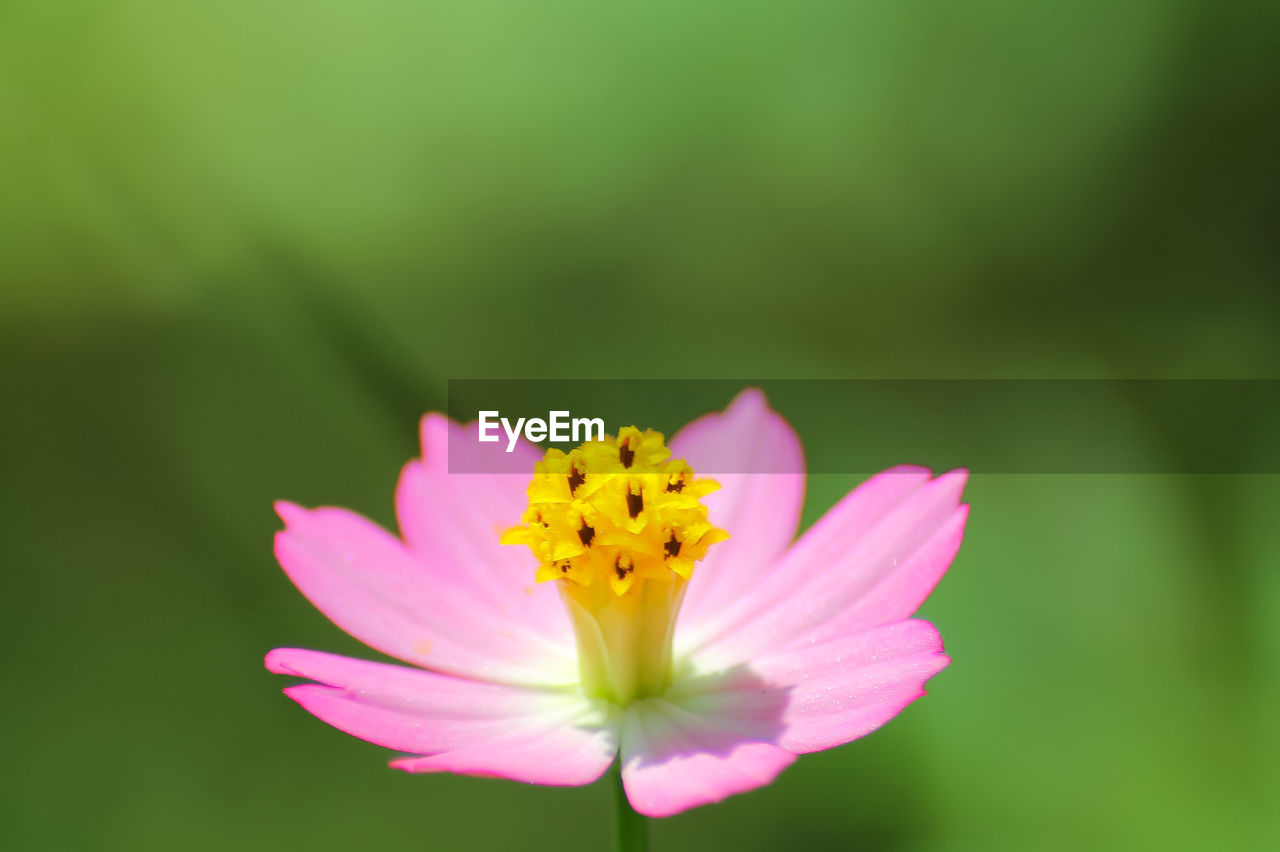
(631, 831)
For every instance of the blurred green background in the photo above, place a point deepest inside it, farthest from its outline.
(244, 245)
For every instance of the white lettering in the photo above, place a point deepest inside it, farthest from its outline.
(486, 425)
(560, 427)
(513, 435)
(535, 430)
(587, 425)
(559, 421)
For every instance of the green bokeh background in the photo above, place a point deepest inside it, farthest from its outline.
(244, 245)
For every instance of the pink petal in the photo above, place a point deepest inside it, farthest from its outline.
(896, 529)
(673, 759)
(756, 457)
(824, 694)
(410, 709)
(567, 748)
(453, 522)
(370, 585)
(900, 592)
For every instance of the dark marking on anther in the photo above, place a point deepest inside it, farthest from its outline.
(564, 566)
(635, 504)
(576, 478)
(621, 570)
(586, 534)
(626, 455)
(676, 485)
(672, 547)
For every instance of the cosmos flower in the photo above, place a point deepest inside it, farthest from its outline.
(621, 606)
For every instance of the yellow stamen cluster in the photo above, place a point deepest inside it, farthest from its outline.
(616, 510)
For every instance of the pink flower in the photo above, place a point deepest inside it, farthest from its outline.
(781, 647)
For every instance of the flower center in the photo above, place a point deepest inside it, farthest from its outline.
(618, 525)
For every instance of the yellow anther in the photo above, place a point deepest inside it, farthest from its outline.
(616, 502)
(619, 525)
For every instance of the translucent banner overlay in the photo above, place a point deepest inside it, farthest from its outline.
(1065, 426)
